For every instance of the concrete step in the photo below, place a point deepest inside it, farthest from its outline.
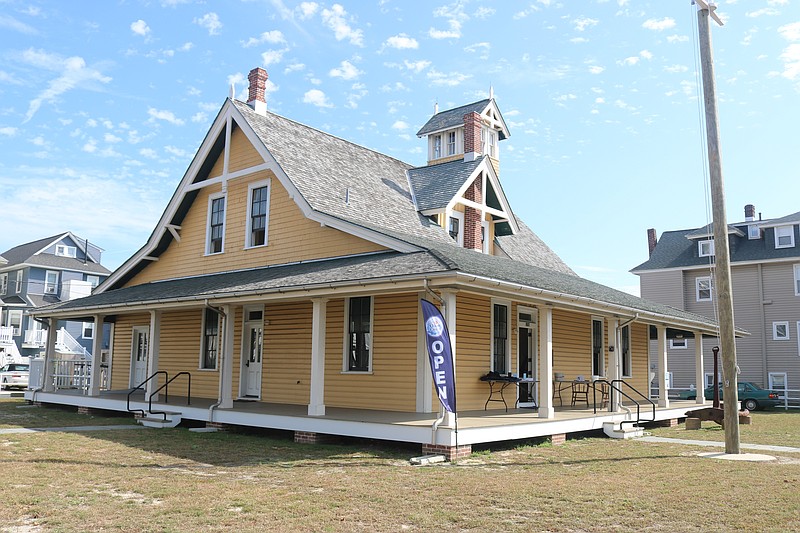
(617, 431)
(157, 420)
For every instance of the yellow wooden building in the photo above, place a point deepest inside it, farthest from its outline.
(281, 288)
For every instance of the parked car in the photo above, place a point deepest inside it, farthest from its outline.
(751, 395)
(14, 375)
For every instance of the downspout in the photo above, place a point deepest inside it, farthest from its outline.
(442, 412)
(761, 308)
(221, 358)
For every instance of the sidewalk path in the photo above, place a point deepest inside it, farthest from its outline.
(762, 447)
(68, 429)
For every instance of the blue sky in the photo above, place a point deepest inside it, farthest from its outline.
(103, 104)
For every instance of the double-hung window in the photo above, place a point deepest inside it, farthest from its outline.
(18, 283)
(704, 288)
(784, 237)
(437, 147)
(50, 282)
(597, 347)
(4, 282)
(797, 280)
(359, 334)
(627, 362)
(216, 225)
(210, 341)
(500, 338)
(257, 214)
(451, 143)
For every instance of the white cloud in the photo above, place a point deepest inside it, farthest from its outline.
(790, 32)
(596, 69)
(73, 73)
(209, 21)
(272, 37)
(767, 11)
(185, 47)
(449, 80)
(148, 153)
(791, 60)
(676, 68)
(270, 57)
(453, 33)
(659, 24)
(628, 61)
(417, 66)
(345, 70)
(140, 27)
(677, 38)
(582, 23)
(13, 24)
(199, 117)
(177, 152)
(402, 42)
(483, 12)
(90, 146)
(294, 67)
(307, 9)
(111, 138)
(579, 40)
(167, 116)
(646, 54)
(317, 98)
(482, 49)
(400, 125)
(336, 19)
(8, 131)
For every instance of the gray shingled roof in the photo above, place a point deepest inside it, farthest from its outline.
(794, 218)
(675, 250)
(452, 118)
(525, 246)
(27, 254)
(708, 231)
(435, 185)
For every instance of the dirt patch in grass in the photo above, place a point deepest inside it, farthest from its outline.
(16, 413)
(176, 480)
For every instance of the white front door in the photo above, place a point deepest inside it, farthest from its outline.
(253, 344)
(139, 349)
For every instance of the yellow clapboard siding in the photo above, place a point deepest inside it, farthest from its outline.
(122, 348)
(473, 349)
(242, 153)
(181, 333)
(286, 370)
(291, 236)
(639, 358)
(572, 343)
(392, 383)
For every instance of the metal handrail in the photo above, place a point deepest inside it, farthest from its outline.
(613, 388)
(139, 387)
(165, 386)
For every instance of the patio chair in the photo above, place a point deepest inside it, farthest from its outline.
(580, 392)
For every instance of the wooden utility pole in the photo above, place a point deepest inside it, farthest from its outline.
(722, 283)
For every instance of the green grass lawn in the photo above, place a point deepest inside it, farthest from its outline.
(176, 480)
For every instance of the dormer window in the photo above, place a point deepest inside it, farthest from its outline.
(437, 146)
(784, 237)
(454, 229)
(451, 143)
(455, 226)
(753, 232)
(66, 251)
(706, 248)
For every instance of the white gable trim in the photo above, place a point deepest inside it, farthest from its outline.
(487, 170)
(227, 115)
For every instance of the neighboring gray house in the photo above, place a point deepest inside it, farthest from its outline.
(765, 269)
(55, 269)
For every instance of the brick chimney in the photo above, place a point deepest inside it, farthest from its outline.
(749, 212)
(257, 92)
(472, 136)
(651, 240)
(472, 217)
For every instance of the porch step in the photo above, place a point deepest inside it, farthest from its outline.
(157, 420)
(617, 431)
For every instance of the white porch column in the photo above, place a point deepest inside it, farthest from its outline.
(226, 359)
(614, 360)
(663, 400)
(449, 312)
(316, 405)
(153, 347)
(49, 355)
(424, 375)
(545, 403)
(97, 358)
(700, 375)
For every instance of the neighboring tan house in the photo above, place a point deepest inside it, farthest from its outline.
(765, 270)
(285, 276)
(39, 273)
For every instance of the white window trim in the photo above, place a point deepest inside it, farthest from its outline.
(791, 236)
(507, 304)
(9, 322)
(211, 199)
(798, 337)
(200, 366)
(434, 155)
(673, 346)
(630, 352)
(753, 232)
(63, 250)
(454, 133)
(775, 335)
(797, 280)
(460, 216)
(346, 338)
(93, 280)
(602, 369)
(486, 236)
(708, 377)
(705, 248)
(87, 325)
(710, 290)
(248, 235)
(771, 383)
(48, 288)
(18, 281)
(4, 283)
